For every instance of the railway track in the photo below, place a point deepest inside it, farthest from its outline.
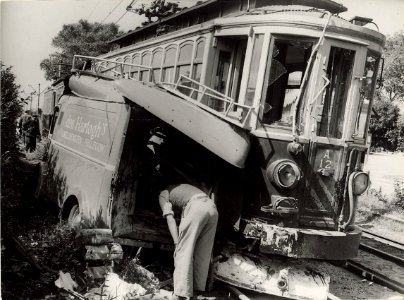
(380, 260)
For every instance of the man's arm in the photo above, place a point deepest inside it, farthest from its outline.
(168, 213)
(172, 226)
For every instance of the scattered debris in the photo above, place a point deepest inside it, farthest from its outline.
(65, 281)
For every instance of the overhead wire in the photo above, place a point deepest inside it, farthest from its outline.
(126, 11)
(111, 11)
(91, 13)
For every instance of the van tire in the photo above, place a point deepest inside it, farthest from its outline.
(74, 218)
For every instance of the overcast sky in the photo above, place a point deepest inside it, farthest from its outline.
(27, 27)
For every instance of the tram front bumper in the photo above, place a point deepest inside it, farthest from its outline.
(289, 278)
(304, 243)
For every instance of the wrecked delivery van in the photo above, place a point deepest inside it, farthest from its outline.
(97, 169)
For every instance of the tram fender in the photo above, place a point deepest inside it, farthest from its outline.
(290, 278)
(304, 243)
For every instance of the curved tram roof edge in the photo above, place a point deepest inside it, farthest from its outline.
(226, 141)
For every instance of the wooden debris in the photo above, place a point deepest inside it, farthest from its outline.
(94, 236)
(103, 252)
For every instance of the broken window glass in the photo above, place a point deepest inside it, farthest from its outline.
(339, 72)
(283, 77)
(366, 94)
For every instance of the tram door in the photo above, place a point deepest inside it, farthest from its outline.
(228, 64)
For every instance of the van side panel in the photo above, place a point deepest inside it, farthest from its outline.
(80, 161)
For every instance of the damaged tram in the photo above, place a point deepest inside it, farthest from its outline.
(263, 105)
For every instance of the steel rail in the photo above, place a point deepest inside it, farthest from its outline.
(381, 237)
(382, 254)
(374, 275)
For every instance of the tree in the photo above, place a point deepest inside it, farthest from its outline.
(82, 38)
(393, 75)
(384, 125)
(11, 108)
(157, 10)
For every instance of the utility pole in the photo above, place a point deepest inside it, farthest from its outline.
(39, 94)
(30, 101)
(60, 68)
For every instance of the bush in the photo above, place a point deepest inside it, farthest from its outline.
(11, 108)
(399, 194)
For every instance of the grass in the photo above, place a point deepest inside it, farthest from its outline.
(374, 204)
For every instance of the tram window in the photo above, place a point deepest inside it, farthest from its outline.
(168, 65)
(197, 72)
(366, 94)
(118, 67)
(252, 80)
(339, 72)
(185, 53)
(135, 70)
(144, 73)
(184, 66)
(184, 60)
(126, 68)
(156, 64)
(197, 68)
(284, 74)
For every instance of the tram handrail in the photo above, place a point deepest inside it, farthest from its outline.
(203, 90)
(121, 65)
(242, 111)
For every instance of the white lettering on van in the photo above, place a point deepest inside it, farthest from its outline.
(92, 130)
(70, 123)
(72, 137)
(93, 145)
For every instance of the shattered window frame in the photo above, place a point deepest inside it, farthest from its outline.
(340, 68)
(285, 63)
(366, 95)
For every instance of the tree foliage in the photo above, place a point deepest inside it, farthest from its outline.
(393, 75)
(82, 38)
(11, 108)
(384, 126)
(157, 10)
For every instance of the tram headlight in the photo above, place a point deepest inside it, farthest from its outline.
(360, 182)
(284, 173)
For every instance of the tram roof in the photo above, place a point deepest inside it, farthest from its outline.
(223, 6)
